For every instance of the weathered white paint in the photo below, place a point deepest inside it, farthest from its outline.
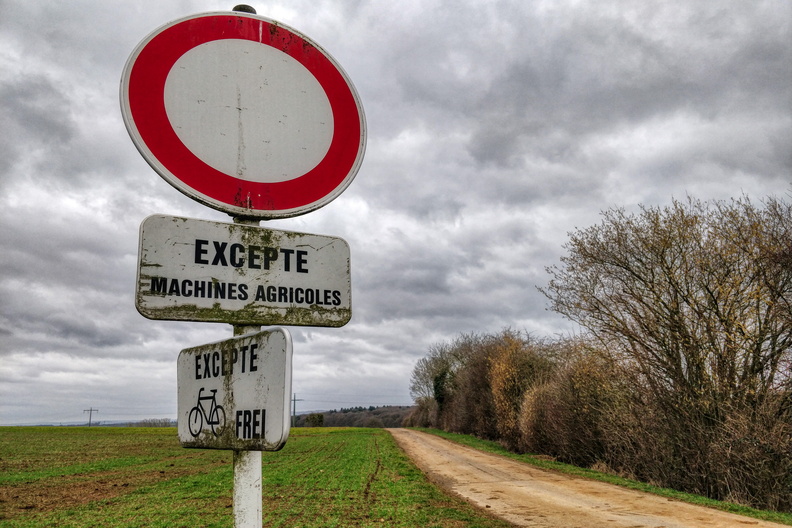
(247, 489)
(249, 110)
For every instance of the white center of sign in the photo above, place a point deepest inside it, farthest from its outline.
(249, 110)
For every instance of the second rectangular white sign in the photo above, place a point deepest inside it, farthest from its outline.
(197, 270)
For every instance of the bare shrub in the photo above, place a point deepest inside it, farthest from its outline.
(424, 414)
(476, 382)
(516, 364)
(750, 459)
(541, 424)
(564, 417)
(472, 410)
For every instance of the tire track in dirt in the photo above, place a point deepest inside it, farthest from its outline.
(528, 496)
(372, 477)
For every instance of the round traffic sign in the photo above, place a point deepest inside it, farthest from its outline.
(243, 114)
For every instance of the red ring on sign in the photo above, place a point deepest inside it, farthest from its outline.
(146, 94)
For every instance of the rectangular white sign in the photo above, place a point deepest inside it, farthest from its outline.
(234, 394)
(197, 270)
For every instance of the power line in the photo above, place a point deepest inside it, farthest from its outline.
(90, 414)
(294, 409)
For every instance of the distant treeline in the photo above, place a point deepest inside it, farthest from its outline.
(153, 422)
(386, 416)
(683, 375)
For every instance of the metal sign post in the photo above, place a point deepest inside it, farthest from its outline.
(248, 512)
(248, 509)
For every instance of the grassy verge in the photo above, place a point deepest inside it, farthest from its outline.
(494, 447)
(136, 477)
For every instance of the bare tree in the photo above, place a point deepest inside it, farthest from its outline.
(693, 300)
(690, 294)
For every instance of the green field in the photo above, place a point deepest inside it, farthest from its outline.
(127, 477)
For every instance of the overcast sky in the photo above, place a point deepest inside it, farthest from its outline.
(494, 129)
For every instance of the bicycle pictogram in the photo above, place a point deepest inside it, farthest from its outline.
(214, 418)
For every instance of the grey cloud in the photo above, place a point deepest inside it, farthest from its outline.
(494, 129)
(35, 118)
(606, 71)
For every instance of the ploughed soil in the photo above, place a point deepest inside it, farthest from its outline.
(528, 496)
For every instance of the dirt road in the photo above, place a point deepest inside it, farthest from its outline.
(527, 496)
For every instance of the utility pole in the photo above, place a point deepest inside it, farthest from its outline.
(90, 414)
(294, 409)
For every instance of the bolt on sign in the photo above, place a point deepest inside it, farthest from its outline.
(197, 270)
(234, 394)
